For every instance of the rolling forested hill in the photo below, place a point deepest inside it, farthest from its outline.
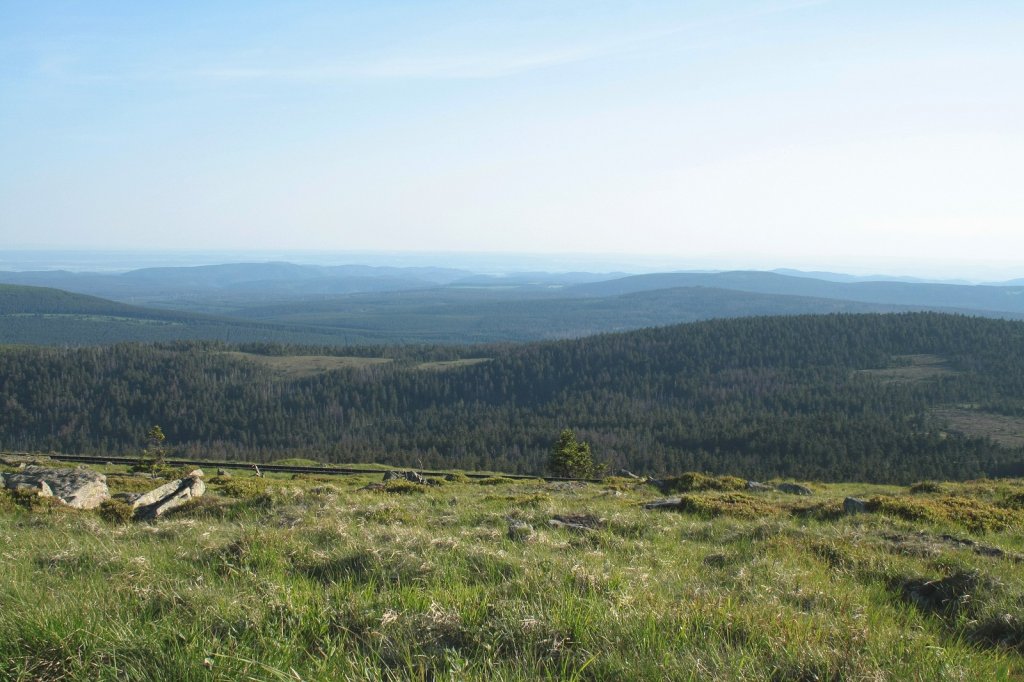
(868, 397)
(475, 316)
(463, 314)
(1000, 299)
(44, 316)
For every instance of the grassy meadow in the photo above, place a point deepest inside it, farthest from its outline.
(311, 578)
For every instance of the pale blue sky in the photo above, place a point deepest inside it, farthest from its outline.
(857, 134)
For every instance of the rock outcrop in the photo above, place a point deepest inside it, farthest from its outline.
(40, 488)
(80, 488)
(170, 495)
(793, 489)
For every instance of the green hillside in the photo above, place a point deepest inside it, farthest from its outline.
(837, 397)
(28, 300)
(342, 578)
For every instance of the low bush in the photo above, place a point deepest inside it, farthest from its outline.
(974, 514)
(200, 508)
(7, 501)
(240, 487)
(116, 511)
(729, 504)
(1014, 501)
(926, 487)
(30, 499)
(822, 511)
(402, 487)
(695, 482)
(496, 480)
(619, 483)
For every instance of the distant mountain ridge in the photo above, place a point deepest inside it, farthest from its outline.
(459, 315)
(842, 277)
(283, 279)
(232, 286)
(1002, 299)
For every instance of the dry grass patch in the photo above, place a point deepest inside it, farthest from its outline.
(1003, 429)
(301, 366)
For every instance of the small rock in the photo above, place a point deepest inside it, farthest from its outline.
(793, 489)
(127, 498)
(668, 503)
(576, 522)
(625, 473)
(195, 473)
(410, 476)
(758, 487)
(224, 473)
(853, 505)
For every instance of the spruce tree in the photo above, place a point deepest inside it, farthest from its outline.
(570, 458)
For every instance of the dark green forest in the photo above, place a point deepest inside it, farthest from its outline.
(755, 397)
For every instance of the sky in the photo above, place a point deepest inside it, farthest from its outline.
(858, 135)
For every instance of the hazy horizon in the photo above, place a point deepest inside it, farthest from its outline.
(497, 263)
(812, 134)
